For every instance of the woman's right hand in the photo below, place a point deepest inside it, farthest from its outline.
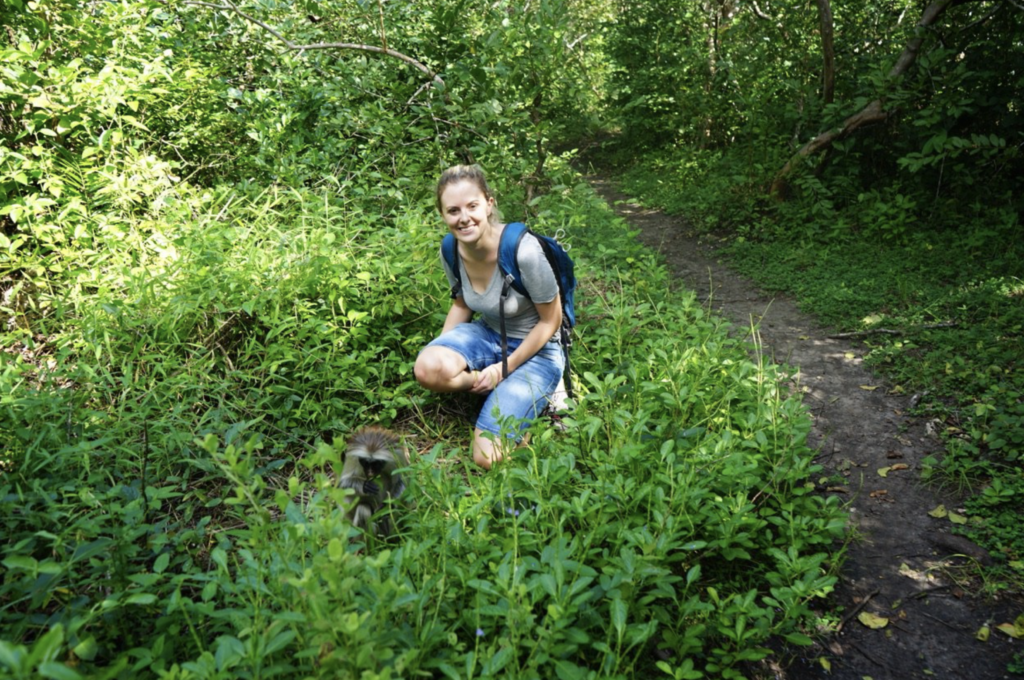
(486, 379)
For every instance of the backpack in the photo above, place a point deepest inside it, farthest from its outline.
(508, 248)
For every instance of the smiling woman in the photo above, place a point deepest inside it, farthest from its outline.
(468, 354)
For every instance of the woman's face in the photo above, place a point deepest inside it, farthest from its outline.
(466, 211)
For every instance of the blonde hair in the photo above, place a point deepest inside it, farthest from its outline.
(465, 173)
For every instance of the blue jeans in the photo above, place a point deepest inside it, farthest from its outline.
(524, 393)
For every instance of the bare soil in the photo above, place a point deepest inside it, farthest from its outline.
(901, 564)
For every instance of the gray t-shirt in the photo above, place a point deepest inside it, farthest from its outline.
(520, 314)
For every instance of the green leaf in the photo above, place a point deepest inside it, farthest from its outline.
(23, 562)
(55, 670)
(87, 649)
(220, 557)
(11, 655)
(279, 641)
(335, 550)
(230, 651)
(618, 614)
(48, 646)
(209, 591)
(161, 563)
(497, 662)
(799, 639)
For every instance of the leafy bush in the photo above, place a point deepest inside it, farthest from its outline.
(216, 257)
(163, 518)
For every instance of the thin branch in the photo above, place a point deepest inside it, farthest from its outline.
(228, 6)
(458, 126)
(983, 19)
(758, 12)
(577, 41)
(890, 331)
(417, 93)
(853, 612)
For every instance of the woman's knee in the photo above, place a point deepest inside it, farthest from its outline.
(435, 367)
(426, 369)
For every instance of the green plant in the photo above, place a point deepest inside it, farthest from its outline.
(1017, 665)
(198, 524)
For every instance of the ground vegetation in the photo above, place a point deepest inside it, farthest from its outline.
(219, 256)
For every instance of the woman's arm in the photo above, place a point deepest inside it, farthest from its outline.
(550, 321)
(457, 313)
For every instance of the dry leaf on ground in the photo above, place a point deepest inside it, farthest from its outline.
(1011, 630)
(873, 621)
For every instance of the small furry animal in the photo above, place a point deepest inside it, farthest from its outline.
(370, 460)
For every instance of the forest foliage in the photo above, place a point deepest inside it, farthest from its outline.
(904, 222)
(218, 251)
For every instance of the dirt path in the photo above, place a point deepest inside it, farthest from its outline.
(897, 567)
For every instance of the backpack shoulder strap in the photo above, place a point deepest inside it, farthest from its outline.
(511, 236)
(450, 253)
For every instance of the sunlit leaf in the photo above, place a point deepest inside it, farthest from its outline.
(872, 621)
(983, 633)
(1011, 630)
(884, 472)
(957, 519)
(939, 512)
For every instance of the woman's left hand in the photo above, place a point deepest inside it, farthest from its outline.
(487, 379)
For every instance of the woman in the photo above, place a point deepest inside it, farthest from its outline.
(467, 355)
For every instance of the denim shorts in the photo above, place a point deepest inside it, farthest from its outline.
(521, 396)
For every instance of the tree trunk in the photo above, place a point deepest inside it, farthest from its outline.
(874, 112)
(709, 85)
(828, 87)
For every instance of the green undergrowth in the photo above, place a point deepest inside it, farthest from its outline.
(166, 492)
(937, 293)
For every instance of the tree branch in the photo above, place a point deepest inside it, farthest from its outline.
(890, 331)
(874, 112)
(229, 6)
(577, 41)
(983, 19)
(758, 13)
